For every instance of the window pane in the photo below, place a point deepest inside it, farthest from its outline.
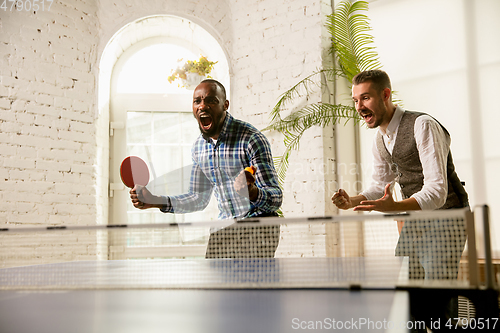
(138, 127)
(166, 127)
(189, 127)
(147, 70)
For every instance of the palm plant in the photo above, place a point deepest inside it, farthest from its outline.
(351, 47)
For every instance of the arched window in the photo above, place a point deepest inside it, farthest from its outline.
(152, 118)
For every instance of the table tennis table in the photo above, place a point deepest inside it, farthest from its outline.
(46, 288)
(218, 295)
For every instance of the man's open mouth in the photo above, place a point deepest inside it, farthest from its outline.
(206, 121)
(367, 116)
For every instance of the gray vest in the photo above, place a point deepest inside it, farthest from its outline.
(406, 165)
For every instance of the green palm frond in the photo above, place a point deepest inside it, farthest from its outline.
(352, 48)
(319, 114)
(351, 41)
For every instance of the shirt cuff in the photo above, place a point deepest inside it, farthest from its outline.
(167, 208)
(372, 195)
(261, 199)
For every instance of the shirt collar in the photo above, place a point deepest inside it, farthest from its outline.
(394, 124)
(225, 127)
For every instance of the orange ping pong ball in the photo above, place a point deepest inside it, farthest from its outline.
(250, 169)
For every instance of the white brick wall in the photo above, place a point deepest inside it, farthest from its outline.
(53, 140)
(47, 139)
(277, 44)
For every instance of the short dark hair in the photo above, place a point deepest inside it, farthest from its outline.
(378, 77)
(220, 85)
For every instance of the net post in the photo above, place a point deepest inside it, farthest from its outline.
(471, 250)
(489, 272)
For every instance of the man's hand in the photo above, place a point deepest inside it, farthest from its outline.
(384, 204)
(245, 184)
(143, 199)
(342, 200)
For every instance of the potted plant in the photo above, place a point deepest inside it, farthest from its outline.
(351, 46)
(192, 72)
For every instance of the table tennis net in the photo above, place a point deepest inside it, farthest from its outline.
(360, 250)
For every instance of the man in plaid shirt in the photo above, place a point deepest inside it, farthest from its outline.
(225, 147)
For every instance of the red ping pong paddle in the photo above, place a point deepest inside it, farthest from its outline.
(134, 170)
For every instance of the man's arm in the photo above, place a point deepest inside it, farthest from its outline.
(197, 198)
(385, 204)
(266, 191)
(433, 146)
(343, 201)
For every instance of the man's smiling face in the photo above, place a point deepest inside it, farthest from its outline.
(370, 104)
(209, 108)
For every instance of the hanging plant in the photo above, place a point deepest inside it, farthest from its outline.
(192, 72)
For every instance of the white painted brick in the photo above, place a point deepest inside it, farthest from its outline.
(44, 120)
(19, 163)
(86, 178)
(86, 199)
(7, 115)
(4, 91)
(80, 106)
(56, 198)
(26, 152)
(24, 207)
(8, 81)
(7, 150)
(44, 209)
(32, 218)
(79, 116)
(15, 174)
(25, 118)
(71, 209)
(6, 138)
(40, 131)
(15, 196)
(46, 88)
(21, 94)
(5, 103)
(52, 166)
(63, 60)
(63, 124)
(31, 141)
(71, 178)
(18, 105)
(75, 136)
(54, 176)
(42, 109)
(81, 127)
(64, 144)
(44, 99)
(63, 102)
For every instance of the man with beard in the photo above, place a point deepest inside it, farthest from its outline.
(413, 150)
(224, 149)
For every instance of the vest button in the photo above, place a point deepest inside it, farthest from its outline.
(401, 185)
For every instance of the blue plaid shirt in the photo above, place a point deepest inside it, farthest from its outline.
(216, 166)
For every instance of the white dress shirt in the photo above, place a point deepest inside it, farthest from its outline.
(433, 146)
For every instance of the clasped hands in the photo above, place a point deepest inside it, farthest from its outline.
(359, 203)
